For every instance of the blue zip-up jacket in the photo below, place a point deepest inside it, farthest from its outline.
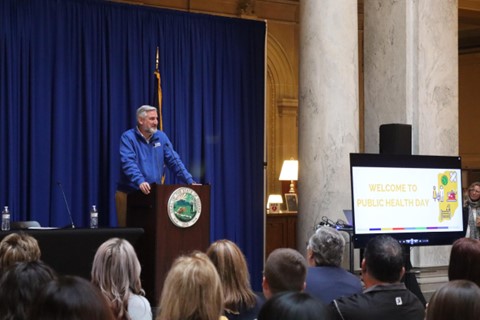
(143, 161)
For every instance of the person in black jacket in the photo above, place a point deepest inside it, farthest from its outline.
(385, 297)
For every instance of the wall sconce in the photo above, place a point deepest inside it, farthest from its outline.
(274, 202)
(289, 172)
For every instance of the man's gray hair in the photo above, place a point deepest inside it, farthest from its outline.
(327, 245)
(142, 111)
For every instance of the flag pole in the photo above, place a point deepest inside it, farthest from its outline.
(159, 92)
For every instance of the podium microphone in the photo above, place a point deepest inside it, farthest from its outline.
(66, 204)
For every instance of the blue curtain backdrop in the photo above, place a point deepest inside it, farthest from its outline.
(73, 72)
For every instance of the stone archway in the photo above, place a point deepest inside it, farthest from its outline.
(281, 111)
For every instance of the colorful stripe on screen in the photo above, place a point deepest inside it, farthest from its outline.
(409, 228)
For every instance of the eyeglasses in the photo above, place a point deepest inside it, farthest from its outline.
(474, 190)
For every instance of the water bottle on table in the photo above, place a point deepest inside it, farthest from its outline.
(5, 219)
(94, 217)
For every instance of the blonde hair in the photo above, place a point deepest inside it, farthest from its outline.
(192, 290)
(232, 269)
(18, 247)
(474, 184)
(116, 271)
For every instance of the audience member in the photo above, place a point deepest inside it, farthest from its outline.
(192, 290)
(116, 271)
(72, 298)
(18, 247)
(458, 299)
(472, 206)
(240, 301)
(384, 297)
(326, 279)
(292, 305)
(19, 286)
(465, 260)
(285, 270)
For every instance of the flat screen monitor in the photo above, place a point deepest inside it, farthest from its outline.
(415, 199)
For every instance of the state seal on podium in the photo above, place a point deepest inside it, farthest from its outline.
(184, 207)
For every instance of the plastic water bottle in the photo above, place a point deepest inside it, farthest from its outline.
(94, 217)
(5, 219)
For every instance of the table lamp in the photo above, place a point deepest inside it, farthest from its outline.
(289, 172)
(274, 202)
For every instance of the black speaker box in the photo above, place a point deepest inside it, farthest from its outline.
(396, 138)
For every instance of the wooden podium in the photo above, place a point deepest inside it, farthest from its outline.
(164, 240)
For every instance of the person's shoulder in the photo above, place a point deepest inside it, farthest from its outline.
(332, 272)
(130, 133)
(348, 306)
(139, 307)
(161, 136)
(354, 299)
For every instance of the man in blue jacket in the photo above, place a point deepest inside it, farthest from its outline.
(144, 151)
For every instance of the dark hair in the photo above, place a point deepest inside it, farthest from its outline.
(465, 260)
(384, 258)
(285, 270)
(70, 297)
(294, 306)
(19, 286)
(458, 299)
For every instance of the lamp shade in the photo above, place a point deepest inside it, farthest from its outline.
(289, 171)
(274, 201)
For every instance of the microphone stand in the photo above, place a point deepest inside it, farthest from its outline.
(66, 204)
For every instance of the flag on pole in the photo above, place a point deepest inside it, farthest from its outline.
(159, 93)
(158, 87)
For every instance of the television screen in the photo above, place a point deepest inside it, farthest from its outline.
(415, 199)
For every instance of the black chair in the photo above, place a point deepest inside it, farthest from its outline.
(20, 225)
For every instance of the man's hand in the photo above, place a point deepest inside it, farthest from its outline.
(145, 187)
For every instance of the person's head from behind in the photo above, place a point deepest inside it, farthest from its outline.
(19, 286)
(233, 271)
(458, 299)
(192, 290)
(70, 297)
(294, 306)
(285, 270)
(383, 261)
(147, 119)
(465, 260)
(116, 271)
(18, 247)
(325, 247)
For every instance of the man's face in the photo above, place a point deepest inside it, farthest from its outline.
(149, 124)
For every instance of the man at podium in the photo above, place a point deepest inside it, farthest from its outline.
(144, 152)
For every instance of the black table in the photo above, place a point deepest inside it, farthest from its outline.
(71, 251)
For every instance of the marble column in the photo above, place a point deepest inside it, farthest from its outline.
(328, 110)
(411, 76)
